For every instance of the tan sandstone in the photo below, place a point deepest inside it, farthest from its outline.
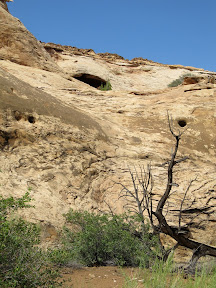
(69, 143)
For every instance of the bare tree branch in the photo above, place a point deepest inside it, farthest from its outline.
(182, 202)
(141, 199)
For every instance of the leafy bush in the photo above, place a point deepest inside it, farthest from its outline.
(106, 86)
(22, 263)
(179, 81)
(105, 240)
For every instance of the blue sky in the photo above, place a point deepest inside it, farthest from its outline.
(169, 31)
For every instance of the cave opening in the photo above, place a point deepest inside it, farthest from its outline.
(31, 119)
(91, 80)
(182, 123)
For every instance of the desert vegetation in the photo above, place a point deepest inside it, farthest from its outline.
(179, 80)
(104, 238)
(106, 87)
(140, 199)
(88, 239)
(22, 262)
(161, 276)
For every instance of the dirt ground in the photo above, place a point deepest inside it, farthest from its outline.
(99, 277)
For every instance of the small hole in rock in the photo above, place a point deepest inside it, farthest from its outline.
(182, 123)
(31, 119)
(17, 115)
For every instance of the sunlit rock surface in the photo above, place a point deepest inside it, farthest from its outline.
(70, 144)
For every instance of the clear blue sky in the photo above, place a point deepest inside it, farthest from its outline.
(165, 31)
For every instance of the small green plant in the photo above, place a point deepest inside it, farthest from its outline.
(96, 239)
(106, 87)
(179, 81)
(162, 276)
(22, 263)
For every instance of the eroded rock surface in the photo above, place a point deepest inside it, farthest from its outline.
(18, 45)
(70, 144)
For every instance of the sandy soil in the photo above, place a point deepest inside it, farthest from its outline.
(99, 277)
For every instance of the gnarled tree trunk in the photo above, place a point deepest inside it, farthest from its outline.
(142, 202)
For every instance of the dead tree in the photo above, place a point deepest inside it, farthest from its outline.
(140, 200)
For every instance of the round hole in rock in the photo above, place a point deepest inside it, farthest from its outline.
(91, 80)
(182, 123)
(17, 115)
(31, 119)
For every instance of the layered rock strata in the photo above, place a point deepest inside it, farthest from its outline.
(70, 144)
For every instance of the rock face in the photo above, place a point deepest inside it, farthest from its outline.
(3, 4)
(69, 143)
(18, 45)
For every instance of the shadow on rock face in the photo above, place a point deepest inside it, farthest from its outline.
(91, 80)
(24, 100)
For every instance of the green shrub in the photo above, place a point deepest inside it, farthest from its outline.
(61, 256)
(105, 240)
(106, 86)
(179, 81)
(22, 263)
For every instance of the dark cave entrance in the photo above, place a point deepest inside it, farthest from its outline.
(182, 123)
(91, 80)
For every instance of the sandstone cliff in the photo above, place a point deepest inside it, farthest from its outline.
(69, 143)
(18, 45)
